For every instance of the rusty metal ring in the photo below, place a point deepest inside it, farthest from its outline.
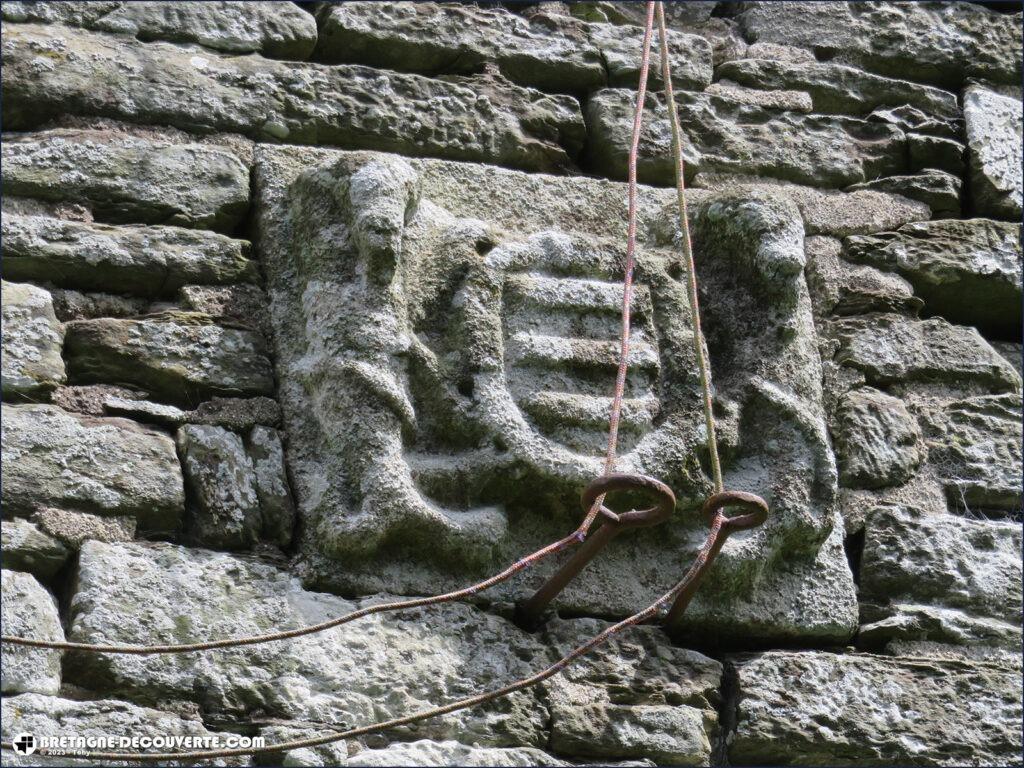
(641, 518)
(757, 514)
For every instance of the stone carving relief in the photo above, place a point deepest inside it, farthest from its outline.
(447, 341)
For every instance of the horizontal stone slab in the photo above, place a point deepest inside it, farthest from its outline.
(913, 560)
(419, 752)
(123, 178)
(632, 698)
(939, 190)
(108, 466)
(279, 30)
(826, 211)
(32, 341)
(940, 44)
(721, 134)
(145, 261)
(838, 89)
(276, 29)
(180, 357)
(967, 271)
(841, 288)
(890, 349)
(815, 708)
(550, 52)
(482, 119)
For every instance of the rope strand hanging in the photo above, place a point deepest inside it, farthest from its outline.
(720, 525)
(576, 537)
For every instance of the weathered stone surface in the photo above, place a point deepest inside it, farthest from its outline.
(54, 717)
(32, 339)
(975, 446)
(967, 271)
(913, 121)
(777, 52)
(106, 466)
(237, 413)
(676, 14)
(890, 348)
(146, 261)
(392, 664)
(823, 709)
(923, 491)
(180, 357)
(277, 509)
(482, 119)
(633, 698)
(28, 611)
(941, 43)
(827, 211)
(389, 458)
(797, 101)
(145, 411)
(837, 89)
(878, 442)
(26, 548)
(994, 145)
(940, 578)
(75, 14)
(237, 304)
(1013, 352)
(72, 527)
(127, 179)
(414, 753)
(74, 305)
(939, 190)
(431, 753)
(550, 52)
(619, 48)
(690, 17)
(219, 477)
(910, 629)
(840, 288)
(89, 398)
(730, 136)
(275, 29)
(372, 669)
(938, 152)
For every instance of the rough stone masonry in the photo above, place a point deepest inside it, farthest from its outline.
(310, 305)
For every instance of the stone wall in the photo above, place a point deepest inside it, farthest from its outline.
(306, 306)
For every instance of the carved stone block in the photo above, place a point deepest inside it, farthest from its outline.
(447, 345)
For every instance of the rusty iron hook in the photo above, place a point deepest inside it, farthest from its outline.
(529, 613)
(713, 510)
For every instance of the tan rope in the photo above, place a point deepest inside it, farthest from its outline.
(691, 270)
